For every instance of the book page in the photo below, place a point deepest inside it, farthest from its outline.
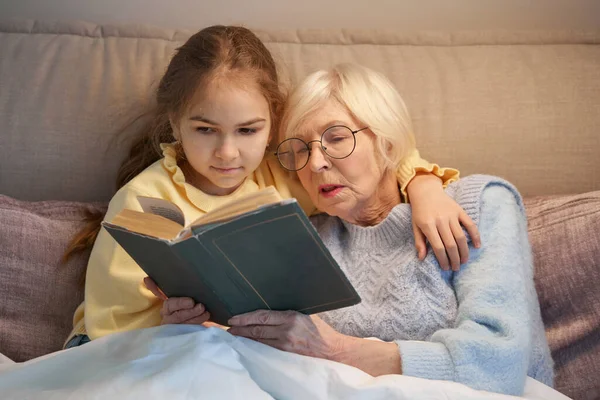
(163, 208)
(147, 224)
(252, 201)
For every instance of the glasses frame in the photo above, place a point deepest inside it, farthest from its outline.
(320, 141)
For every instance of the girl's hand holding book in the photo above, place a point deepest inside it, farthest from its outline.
(178, 310)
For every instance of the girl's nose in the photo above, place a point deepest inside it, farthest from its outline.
(227, 150)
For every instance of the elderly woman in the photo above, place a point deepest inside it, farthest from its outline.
(343, 132)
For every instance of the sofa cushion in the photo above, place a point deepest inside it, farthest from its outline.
(565, 236)
(39, 292)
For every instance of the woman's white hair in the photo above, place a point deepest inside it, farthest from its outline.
(368, 95)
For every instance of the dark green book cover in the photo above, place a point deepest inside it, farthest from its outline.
(270, 258)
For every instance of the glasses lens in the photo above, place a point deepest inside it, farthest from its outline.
(338, 141)
(292, 154)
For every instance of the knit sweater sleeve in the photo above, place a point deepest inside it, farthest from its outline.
(489, 346)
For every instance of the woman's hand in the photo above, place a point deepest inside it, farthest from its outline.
(289, 331)
(311, 336)
(440, 219)
(178, 310)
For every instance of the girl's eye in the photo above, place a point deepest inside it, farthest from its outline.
(247, 131)
(205, 129)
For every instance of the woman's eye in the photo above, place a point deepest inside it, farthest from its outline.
(247, 131)
(205, 129)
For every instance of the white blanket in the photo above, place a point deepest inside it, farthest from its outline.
(192, 362)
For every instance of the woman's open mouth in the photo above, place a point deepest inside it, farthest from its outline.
(329, 191)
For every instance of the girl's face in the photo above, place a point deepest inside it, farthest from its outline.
(224, 135)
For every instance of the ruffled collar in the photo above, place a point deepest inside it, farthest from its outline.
(169, 162)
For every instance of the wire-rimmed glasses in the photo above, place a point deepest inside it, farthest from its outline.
(337, 141)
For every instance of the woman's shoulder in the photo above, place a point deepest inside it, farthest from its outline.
(472, 191)
(477, 183)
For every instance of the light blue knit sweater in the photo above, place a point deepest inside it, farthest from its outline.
(480, 326)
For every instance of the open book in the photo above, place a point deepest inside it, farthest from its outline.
(258, 252)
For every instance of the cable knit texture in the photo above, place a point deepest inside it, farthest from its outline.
(480, 326)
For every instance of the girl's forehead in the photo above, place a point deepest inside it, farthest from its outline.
(233, 100)
(227, 86)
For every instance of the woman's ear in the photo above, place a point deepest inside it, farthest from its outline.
(389, 149)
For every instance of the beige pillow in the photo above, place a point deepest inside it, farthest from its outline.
(565, 235)
(39, 294)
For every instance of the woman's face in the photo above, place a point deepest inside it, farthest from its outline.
(341, 187)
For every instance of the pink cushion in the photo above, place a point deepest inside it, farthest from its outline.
(565, 235)
(39, 293)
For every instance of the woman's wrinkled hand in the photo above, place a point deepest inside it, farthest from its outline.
(437, 218)
(178, 310)
(289, 331)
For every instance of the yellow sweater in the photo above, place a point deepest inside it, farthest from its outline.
(115, 297)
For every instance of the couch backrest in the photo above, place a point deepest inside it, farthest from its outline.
(521, 105)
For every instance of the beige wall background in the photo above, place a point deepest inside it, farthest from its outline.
(282, 14)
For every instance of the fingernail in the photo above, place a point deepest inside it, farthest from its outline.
(232, 321)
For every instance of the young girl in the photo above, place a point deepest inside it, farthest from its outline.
(218, 107)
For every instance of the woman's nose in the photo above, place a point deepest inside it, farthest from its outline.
(318, 160)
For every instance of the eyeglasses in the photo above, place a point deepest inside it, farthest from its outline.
(337, 142)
